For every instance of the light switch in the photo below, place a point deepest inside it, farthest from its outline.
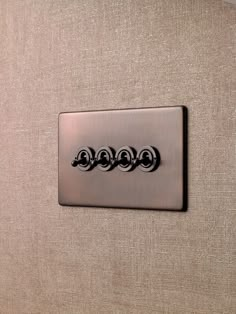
(133, 158)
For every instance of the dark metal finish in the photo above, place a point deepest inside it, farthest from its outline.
(84, 159)
(148, 158)
(108, 140)
(125, 158)
(104, 158)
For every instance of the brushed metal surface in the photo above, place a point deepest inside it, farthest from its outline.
(163, 128)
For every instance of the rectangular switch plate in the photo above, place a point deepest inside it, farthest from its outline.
(164, 128)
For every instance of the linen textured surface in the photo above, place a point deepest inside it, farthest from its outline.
(72, 55)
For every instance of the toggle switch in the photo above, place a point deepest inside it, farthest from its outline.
(104, 158)
(84, 159)
(126, 159)
(148, 158)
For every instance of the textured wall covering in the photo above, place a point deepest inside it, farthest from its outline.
(64, 55)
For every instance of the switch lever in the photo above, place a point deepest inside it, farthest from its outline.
(77, 162)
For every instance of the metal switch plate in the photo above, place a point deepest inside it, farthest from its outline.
(164, 128)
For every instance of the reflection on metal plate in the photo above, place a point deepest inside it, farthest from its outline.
(133, 158)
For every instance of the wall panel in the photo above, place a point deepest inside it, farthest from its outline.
(83, 55)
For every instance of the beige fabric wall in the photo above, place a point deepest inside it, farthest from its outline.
(65, 55)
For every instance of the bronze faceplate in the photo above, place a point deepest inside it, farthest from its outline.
(164, 128)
